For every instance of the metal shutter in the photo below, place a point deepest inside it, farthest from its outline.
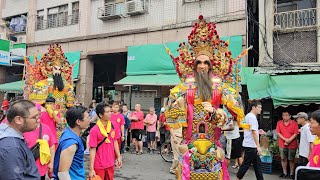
(145, 98)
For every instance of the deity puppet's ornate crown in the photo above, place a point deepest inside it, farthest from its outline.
(204, 40)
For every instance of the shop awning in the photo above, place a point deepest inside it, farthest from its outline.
(12, 87)
(150, 80)
(150, 64)
(284, 90)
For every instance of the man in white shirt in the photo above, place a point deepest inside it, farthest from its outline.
(306, 138)
(251, 145)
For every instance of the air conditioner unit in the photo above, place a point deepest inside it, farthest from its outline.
(22, 39)
(189, 1)
(110, 12)
(136, 7)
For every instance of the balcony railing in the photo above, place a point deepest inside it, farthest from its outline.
(305, 18)
(57, 21)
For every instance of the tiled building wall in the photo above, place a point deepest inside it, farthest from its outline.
(14, 7)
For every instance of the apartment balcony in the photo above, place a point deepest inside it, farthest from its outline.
(298, 19)
(117, 10)
(57, 22)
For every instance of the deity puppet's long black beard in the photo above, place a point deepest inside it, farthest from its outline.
(58, 82)
(204, 85)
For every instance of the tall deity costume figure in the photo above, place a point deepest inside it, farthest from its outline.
(50, 77)
(206, 98)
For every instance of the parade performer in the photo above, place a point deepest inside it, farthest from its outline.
(206, 98)
(50, 77)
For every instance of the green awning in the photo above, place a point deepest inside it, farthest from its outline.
(153, 58)
(12, 87)
(284, 90)
(72, 57)
(150, 80)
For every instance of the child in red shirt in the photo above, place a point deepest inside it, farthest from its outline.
(117, 120)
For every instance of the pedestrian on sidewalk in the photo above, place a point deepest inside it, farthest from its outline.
(137, 128)
(164, 130)
(233, 146)
(306, 138)
(151, 122)
(314, 160)
(118, 122)
(251, 145)
(5, 105)
(103, 145)
(127, 125)
(16, 159)
(69, 157)
(126, 113)
(93, 120)
(288, 131)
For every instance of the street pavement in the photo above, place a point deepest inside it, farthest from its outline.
(153, 167)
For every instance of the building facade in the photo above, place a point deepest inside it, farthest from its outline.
(103, 29)
(289, 58)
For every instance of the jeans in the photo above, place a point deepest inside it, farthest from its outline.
(250, 157)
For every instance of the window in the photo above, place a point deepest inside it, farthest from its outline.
(40, 21)
(58, 16)
(75, 13)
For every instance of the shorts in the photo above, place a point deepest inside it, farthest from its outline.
(233, 148)
(151, 136)
(286, 153)
(137, 134)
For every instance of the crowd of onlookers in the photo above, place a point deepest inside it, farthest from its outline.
(31, 149)
(297, 147)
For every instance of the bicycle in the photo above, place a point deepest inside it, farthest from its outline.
(166, 152)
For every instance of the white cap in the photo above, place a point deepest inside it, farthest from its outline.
(163, 109)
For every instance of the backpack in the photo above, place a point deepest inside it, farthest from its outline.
(36, 148)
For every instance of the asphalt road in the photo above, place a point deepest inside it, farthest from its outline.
(153, 167)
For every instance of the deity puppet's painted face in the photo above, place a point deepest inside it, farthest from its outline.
(202, 64)
(56, 70)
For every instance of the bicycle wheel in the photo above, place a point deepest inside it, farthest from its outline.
(166, 152)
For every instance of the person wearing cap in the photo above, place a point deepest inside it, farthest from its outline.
(306, 138)
(287, 130)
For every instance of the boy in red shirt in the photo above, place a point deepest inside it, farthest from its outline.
(103, 146)
(287, 130)
(117, 120)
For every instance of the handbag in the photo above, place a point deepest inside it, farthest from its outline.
(36, 148)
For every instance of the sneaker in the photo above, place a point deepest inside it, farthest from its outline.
(291, 176)
(149, 150)
(172, 171)
(283, 176)
(86, 152)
